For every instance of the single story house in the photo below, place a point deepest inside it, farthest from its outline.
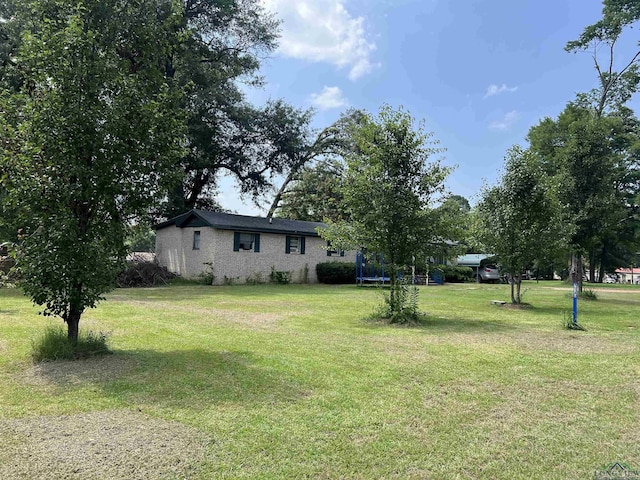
(628, 275)
(241, 249)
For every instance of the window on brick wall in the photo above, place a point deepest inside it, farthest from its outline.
(334, 252)
(295, 245)
(196, 240)
(246, 241)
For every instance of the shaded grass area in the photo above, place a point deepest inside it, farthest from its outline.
(291, 382)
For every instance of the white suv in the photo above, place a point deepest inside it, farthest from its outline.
(489, 273)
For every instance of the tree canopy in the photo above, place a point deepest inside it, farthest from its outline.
(226, 135)
(595, 162)
(389, 191)
(520, 218)
(316, 194)
(89, 133)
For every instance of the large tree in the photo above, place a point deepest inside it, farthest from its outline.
(227, 135)
(594, 160)
(388, 190)
(315, 194)
(617, 84)
(89, 130)
(327, 147)
(520, 218)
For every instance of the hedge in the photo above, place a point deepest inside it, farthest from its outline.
(455, 274)
(336, 272)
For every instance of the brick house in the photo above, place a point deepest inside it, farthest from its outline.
(238, 248)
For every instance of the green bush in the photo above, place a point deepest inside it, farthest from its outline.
(588, 294)
(455, 274)
(55, 345)
(336, 272)
(279, 277)
(403, 308)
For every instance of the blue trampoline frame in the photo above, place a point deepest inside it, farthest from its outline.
(371, 276)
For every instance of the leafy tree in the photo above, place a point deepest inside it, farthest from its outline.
(253, 145)
(520, 217)
(89, 130)
(330, 144)
(141, 237)
(9, 221)
(226, 135)
(595, 162)
(316, 193)
(457, 217)
(388, 190)
(616, 87)
(458, 203)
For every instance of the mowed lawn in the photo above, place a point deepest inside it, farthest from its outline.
(294, 382)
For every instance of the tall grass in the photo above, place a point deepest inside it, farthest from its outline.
(54, 344)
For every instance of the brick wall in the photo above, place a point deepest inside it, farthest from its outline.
(174, 249)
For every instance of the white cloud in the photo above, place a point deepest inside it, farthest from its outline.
(330, 97)
(506, 122)
(497, 90)
(324, 31)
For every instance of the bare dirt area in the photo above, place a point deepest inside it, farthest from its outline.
(97, 369)
(251, 320)
(102, 445)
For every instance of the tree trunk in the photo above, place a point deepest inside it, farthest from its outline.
(580, 265)
(601, 272)
(511, 282)
(576, 270)
(73, 321)
(276, 200)
(75, 312)
(518, 281)
(592, 266)
(392, 292)
(295, 170)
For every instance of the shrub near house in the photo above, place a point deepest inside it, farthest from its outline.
(242, 249)
(336, 272)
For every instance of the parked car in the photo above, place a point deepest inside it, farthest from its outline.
(489, 273)
(610, 279)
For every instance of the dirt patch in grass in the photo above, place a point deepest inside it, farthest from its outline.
(253, 320)
(517, 306)
(106, 445)
(577, 343)
(64, 372)
(562, 342)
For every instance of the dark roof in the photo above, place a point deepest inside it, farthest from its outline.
(241, 223)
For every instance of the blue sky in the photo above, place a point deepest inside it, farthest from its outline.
(480, 73)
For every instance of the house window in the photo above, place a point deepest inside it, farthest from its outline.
(246, 241)
(334, 252)
(196, 240)
(295, 245)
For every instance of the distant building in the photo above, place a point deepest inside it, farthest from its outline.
(628, 275)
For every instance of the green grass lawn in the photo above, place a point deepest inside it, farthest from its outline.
(293, 382)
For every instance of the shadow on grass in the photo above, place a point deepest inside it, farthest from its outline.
(536, 309)
(619, 301)
(194, 291)
(466, 325)
(434, 325)
(195, 378)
